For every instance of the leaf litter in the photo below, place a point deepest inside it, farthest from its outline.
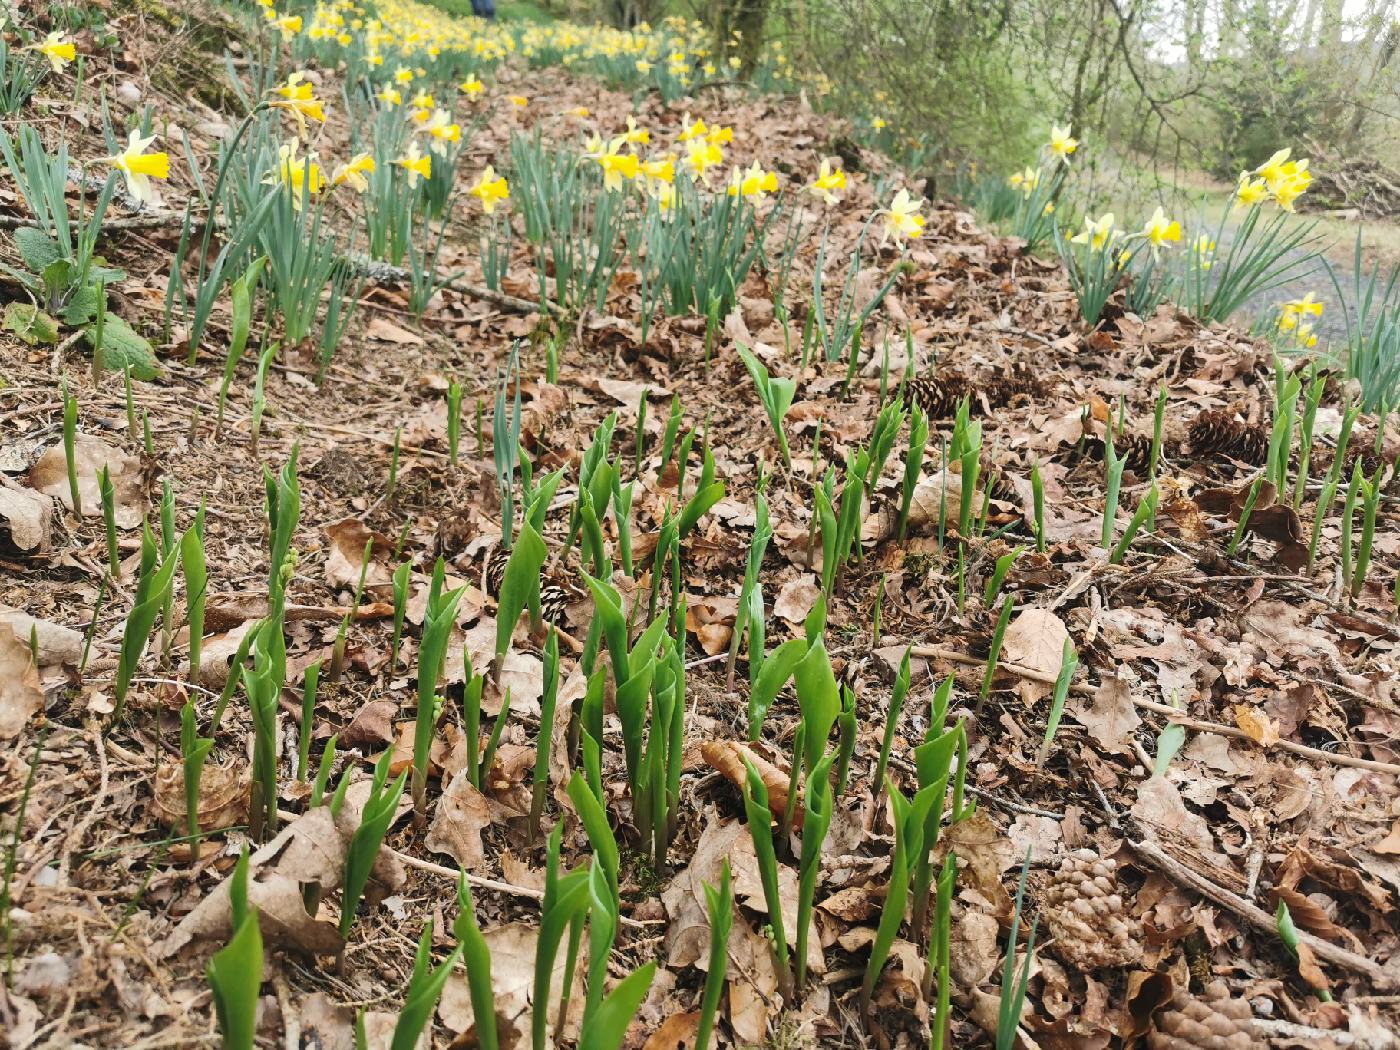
(1284, 789)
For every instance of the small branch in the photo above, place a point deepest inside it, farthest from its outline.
(1381, 977)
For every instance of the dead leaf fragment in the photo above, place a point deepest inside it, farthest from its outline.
(1258, 726)
(1035, 639)
(462, 812)
(26, 519)
(21, 696)
(49, 475)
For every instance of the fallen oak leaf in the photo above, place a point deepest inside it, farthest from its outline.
(1258, 726)
(727, 756)
(49, 475)
(461, 814)
(21, 695)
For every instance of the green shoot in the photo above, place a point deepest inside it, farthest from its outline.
(241, 292)
(1330, 484)
(1113, 483)
(70, 431)
(776, 396)
(745, 619)
(719, 905)
(897, 697)
(476, 954)
(565, 900)
(549, 700)
(310, 679)
(235, 972)
(264, 688)
(814, 829)
(913, 466)
(998, 577)
(940, 965)
(1370, 502)
(1146, 511)
(152, 584)
(377, 815)
(760, 821)
(1069, 662)
(425, 986)
(994, 654)
(1242, 525)
(1013, 986)
(454, 419)
(109, 521)
(401, 578)
(393, 484)
(1289, 935)
(438, 620)
(1038, 500)
(194, 749)
(196, 589)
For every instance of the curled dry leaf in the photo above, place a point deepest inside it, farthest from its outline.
(223, 796)
(49, 475)
(21, 696)
(345, 553)
(26, 519)
(796, 598)
(1258, 726)
(59, 647)
(727, 756)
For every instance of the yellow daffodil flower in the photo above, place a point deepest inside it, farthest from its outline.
(1296, 179)
(472, 87)
(138, 167)
(519, 101)
(288, 25)
(1159, 229)
(1097, 233)
(403, 75)
(689, 131)
(352, 173)
(1251, 191)
(58, 49)
(295, 96)
(902, 219)
(419, 165)
(752, 183)
(878, 123)
(390, 96)
(443, 131)
(1303, 307)
(659, 174)
(579, 112)
(489, 189)
(1026, 180)
(634, 134)
(719, 135)
(828, 182)
(1060, 142)
(301, 175)
(643, 66)
(701, 156)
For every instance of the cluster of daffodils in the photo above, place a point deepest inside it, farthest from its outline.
(1278, 179)
(1062, 143)
(1102, 233)
(1293, 320)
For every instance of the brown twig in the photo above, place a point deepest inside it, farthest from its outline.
(1381, 977)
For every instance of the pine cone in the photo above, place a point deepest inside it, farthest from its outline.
(938, 395)
(1020, 381)
(1086, 914)
(1216, 432)
(494, 574)
(1214, 1021)
(1135, 450)
(554, 599)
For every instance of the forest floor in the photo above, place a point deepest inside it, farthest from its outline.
(1288, 689)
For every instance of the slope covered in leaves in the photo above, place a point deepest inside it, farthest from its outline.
(1228, 740)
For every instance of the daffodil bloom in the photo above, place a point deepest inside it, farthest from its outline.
(519, 101)
(1271, 171)
(1203, 249)
(58, 49)
(443, 131)
(659, 174)
(353, 172)
(1305, 336)
(1302, 307)
(288, 25)
(735, 62)
(752, 183)
(403, 75)
(138, 167)
(902, 219)
(489, 189)
(1027, 180)
(301, 175)
(471, 87)
(878, 123)
(423, 100)
(828, 182)
(419, 165)
(1295, 182)
(581, 112)
(1159, 229)
(634, 134)
(296, 98)
(1097, 232)
(701, 156)
(1251, 191)
(719, 135)
(390, 96)
(1060, 142)
(643, 66)
(665, 197)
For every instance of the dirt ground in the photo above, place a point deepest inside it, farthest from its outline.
(1284, 788)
